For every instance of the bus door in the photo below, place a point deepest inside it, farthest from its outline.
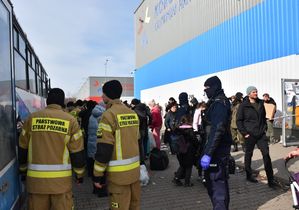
(9, 179)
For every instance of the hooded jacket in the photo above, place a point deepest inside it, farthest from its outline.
(92, 130)
(251, 121)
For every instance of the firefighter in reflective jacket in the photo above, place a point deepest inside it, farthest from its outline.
(117, 151)
(50, 146)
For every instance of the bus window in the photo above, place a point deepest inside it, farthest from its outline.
(20, 71)
(16, 39)
(22, 46)
(32, 81)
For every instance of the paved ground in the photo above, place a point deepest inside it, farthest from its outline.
(277, 154)
(162, 194)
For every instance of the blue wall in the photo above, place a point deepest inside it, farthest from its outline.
(267, 31)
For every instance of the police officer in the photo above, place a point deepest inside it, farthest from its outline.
(217, 149)
(50, 145)
(117, 151)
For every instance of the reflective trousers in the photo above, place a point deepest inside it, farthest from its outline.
(62, 201)
(124, 197)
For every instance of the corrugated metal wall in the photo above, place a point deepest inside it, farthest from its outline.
(261, 32)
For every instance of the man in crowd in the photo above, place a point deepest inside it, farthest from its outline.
(118, 151)
(270, 107)
(51, 144)
(251, 122)
(217, 149)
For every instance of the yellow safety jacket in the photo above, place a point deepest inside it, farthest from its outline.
(119, 127)
(50, 140)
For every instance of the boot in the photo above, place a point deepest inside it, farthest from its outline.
(177, 181)
(251, 178)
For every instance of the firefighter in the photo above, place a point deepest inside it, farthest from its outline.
(117, 151)
(50, 146)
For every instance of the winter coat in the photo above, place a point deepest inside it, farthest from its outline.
(141, 111)
(251, 121)
(219, 137)
(187, 159)
(92, 130)
(170, 121)
(156, 117)
(234, 109)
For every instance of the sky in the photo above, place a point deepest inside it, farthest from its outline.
(74, 38)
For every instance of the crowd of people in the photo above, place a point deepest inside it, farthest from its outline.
(111, 140)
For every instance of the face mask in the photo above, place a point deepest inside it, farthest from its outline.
(210, 92)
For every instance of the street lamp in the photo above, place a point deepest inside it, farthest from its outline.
(106, 62)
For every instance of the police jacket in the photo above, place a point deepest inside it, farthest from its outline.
(219, 138)
(117, 149)
(251, 121)
(50, 145)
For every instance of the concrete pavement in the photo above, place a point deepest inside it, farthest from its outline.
(277, 154)
(162, 194)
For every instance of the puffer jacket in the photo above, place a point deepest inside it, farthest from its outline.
(92, 129)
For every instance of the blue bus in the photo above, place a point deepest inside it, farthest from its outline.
(23, 88)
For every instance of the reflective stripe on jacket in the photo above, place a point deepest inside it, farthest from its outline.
(51, 138)
(119, 126)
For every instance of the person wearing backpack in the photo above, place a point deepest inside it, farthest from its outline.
(186, 151)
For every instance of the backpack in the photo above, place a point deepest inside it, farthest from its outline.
(158, 159)
(179, 144)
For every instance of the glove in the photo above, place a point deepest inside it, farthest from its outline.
(205, 162)
(79, 180)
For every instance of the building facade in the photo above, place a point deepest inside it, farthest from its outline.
(180, 43)
(92, 88)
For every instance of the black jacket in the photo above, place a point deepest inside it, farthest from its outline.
(219, 137)
(251, 121)
(171, 120)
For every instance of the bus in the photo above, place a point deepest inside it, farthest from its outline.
(24, 84)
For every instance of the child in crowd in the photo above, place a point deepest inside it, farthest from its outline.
(186, 151)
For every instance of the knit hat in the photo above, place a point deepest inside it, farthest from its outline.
(56, 96)
(135, 101)
(250, 89)
(112, 89)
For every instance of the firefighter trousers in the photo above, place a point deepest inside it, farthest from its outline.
(124, 197)
(62, 201)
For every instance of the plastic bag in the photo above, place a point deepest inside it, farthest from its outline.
(144, 177)
(151, 140)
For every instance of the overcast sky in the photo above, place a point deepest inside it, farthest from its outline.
(73, 38)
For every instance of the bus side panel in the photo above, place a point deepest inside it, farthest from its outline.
(10, 193)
